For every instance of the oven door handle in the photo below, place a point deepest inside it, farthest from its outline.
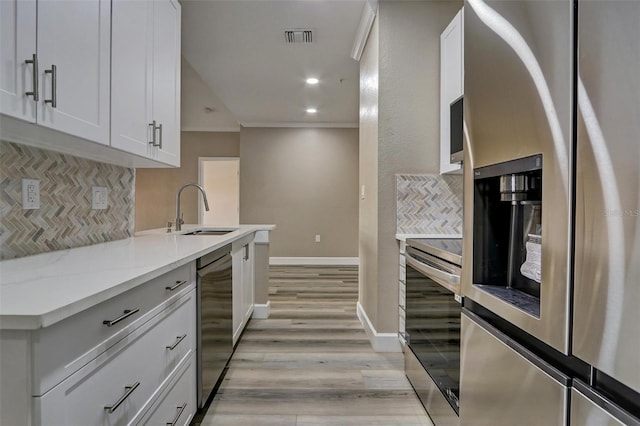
(449, 281)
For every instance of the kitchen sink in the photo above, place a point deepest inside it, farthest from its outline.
(210, 232)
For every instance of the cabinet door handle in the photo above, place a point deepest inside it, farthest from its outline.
(246, 252)
(128, 391)
(54, 86)
(155, 142)
(152, 142)
(177, 284)
(175, 419)
(34, 77)
(180, 339)
(126, 314)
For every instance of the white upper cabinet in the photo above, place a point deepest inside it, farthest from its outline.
(145, 101)
(74, 67)
(451, 84)
(18, 45)
(62, 84)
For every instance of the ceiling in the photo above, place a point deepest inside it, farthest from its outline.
(237, 48)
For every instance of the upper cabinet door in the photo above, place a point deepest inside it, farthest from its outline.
(17, 45)
(74, 61)
(131, 74)
(145, 85)
(166, 79)
(451, 85)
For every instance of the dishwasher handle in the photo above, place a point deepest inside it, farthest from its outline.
(217, 265)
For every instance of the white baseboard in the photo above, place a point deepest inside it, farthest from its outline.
(381, 342)
(328, 261)
(262, 310)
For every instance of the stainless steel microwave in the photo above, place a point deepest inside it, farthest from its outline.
(456, 131)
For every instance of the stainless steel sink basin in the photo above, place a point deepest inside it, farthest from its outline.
(210, 232)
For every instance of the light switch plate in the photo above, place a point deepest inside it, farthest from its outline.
(99, 198)
(30, 194)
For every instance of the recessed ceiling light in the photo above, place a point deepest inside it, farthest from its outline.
(312, 80)
(311, 110)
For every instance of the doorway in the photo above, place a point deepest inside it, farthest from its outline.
(220, 177)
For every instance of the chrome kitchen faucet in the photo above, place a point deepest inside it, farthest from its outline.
(179, 220)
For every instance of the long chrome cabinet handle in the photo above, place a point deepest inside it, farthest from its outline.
(180, 339)
(34, 78)
(178, 284)
(54, 86)
(152, 142)
(126, 314)
(129, 390)
(175, 419)
(160, 138)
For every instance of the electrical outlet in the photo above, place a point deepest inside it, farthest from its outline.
(362, 192)
(30, 194)
(317, 238)
(99, 198)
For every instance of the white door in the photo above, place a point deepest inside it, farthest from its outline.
(17, 45)
(220, 178)
(74, 36)
(166, 79)
(131, 62)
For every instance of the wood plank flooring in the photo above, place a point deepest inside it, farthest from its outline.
(311, 363)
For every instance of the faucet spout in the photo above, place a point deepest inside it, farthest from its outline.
(179, 220)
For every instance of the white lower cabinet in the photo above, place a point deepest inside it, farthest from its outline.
(242, 253)
(116, 387)
(176, 405)
(120, 379)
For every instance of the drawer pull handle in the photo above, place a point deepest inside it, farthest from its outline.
(180, 339)
(127, 313)
(180, 410)
(129, 390)
(178, 284)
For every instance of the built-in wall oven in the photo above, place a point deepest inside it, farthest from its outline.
(432, 327)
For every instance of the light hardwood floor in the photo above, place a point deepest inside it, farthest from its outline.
(310, 363)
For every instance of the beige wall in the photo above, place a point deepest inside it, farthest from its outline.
(306, 182)
(368, 232)
(156, 188)
(408, 49)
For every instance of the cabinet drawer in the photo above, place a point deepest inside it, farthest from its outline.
(130, 372)
(176, 403)
(63, 348)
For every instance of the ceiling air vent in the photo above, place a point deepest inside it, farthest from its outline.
(298, 36)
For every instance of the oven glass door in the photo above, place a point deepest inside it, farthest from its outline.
(433, 332)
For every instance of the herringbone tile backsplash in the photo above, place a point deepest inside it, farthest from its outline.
(65, 218)
(429, 204)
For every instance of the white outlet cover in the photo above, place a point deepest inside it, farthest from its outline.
(99, 198)
(30, 194)
(317, 238)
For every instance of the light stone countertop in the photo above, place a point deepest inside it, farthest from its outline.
(38, 291)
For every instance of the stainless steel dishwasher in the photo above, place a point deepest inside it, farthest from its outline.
(214, 310)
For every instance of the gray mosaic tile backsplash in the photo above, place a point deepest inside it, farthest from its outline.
(429, 204)
(65, 218)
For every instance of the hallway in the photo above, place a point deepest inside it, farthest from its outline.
(311, 363)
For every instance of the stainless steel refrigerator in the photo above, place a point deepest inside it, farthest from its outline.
(551, 323)
(606, 291)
